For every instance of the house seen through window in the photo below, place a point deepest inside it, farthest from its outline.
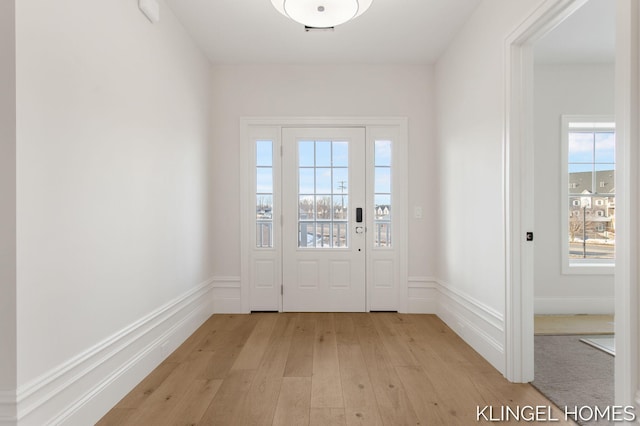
(590, 192)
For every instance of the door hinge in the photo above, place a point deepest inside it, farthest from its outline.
(281, 290)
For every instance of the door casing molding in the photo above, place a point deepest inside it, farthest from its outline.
(372, 125)
(518, 192)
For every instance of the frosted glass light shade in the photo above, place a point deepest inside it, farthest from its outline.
(321, 13)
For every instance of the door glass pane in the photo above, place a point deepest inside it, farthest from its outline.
(323, 180)
(323, 154)
(323, 194)
(264, 177)
(340, 154)
(383, 153)
(306, 154)
(382, 194)
(383, 180)
(306, 180)
(264, 194)
(306, 208)
(264, 153)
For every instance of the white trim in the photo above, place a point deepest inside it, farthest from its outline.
(481, 326)
(518, 183)
(627, 202)
(8, 408)
(574, 305)
(226, 295)
(89, 384)
(422, 295)
(422, 282)
(241, 303)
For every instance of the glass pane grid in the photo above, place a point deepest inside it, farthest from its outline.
(264, 194)
(591, 218)
(323, 196)
(382, 194)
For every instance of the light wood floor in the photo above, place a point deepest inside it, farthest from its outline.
(321, 369)
(573, 324)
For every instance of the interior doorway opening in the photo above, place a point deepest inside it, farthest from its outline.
(519, 189)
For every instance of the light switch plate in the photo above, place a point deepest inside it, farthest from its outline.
(151, 9)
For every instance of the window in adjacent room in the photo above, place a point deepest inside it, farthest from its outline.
(589, 193)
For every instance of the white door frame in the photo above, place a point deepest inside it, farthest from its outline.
(381, 126)
(518, 192)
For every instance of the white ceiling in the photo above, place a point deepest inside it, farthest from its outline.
(587, 36)
(391, 31)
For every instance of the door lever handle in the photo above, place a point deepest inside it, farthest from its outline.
(359, 215)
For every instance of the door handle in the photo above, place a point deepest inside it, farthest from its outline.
(359, 215)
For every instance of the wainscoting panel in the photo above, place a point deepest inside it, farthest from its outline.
(422, 295)
(84, 388)
(227, 297)
(479, 325)
(7, 408)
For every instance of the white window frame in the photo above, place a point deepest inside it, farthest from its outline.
(574, 266)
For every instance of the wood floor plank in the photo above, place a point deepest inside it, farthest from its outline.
(387, 326)
(148, 386)
(345, 330)
(393, 404)
(457, 397)
(263, 394)
(326, 387)
(425, 398)
(327, 417)
(227, 345)
(228, 403)
(300, 359)
(300, 369)
(359, 398)
(196, 340)
(159, 404)
(116, 416)
(294, 402)
(251, 354)
(194, 403)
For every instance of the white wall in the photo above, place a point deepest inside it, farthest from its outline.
(113, 134)
(299, 90)
(579, 89)
(8, 197)
(470, 81)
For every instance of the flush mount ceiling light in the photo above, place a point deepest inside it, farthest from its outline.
(321, 13)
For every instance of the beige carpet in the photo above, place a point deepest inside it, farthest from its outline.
(571, 373)
(573, 324)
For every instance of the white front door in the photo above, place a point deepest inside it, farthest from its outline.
(324, 223)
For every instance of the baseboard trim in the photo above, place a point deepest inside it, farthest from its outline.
(574, 305)
(227, 295)
(422, 295)
(81, 390)
(477, 324)
(8, 412)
